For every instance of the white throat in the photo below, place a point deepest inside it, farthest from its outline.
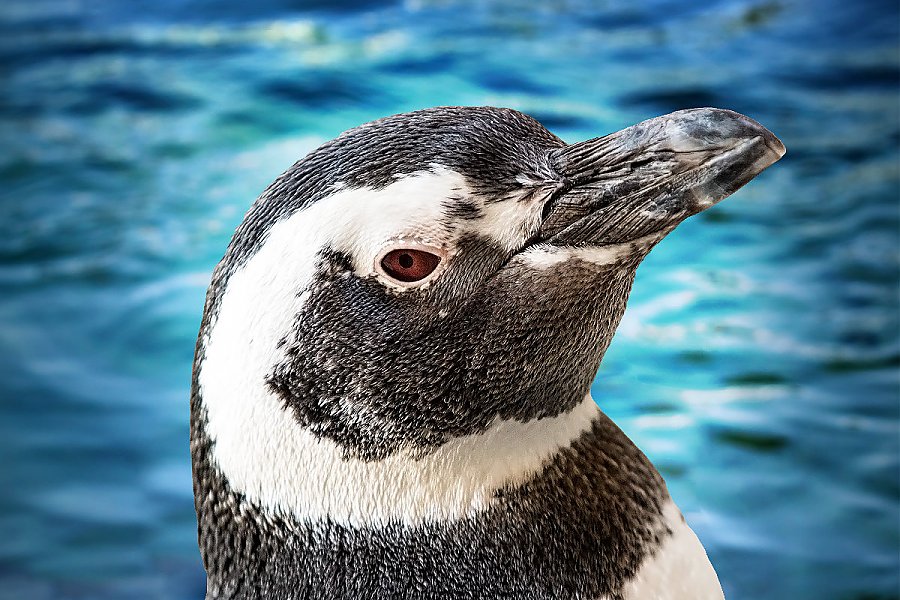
(287, 470)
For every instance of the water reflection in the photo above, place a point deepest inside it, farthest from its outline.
(757, 365)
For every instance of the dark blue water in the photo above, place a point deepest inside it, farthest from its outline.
(758, 365)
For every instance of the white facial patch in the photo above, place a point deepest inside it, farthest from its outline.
(257, 444)
(545, 256)
(511, 222)
(363, 221)
(678, 569)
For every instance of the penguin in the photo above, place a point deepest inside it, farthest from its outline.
(390, 393)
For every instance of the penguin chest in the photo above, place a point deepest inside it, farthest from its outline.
(596, 522)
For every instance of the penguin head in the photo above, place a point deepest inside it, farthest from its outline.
(426, 274)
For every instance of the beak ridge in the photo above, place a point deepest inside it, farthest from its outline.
(649, 177)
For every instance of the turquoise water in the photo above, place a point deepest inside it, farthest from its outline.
(757, 365)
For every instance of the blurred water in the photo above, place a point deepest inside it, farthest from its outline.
(757, 366)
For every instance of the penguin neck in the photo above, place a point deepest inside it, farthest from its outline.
(285, 470)
(585, 519)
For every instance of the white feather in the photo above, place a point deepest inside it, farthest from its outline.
(678, 570)
(547, 256)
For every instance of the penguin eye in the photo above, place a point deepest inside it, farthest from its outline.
(409, 265)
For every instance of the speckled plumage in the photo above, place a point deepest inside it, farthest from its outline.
(315, 375)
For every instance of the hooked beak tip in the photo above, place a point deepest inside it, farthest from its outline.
(753, 129)
(775, 145)
(704, 129)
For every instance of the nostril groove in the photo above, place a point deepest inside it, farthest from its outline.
(637, 164)
(548, 208)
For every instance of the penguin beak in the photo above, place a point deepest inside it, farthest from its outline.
(641, 182)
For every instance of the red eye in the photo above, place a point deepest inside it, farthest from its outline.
(409, 264)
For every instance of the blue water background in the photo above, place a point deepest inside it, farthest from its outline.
(758, 363)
